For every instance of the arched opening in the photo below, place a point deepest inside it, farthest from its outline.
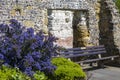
(81, 35)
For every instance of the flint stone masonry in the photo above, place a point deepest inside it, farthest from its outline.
(25, 11)
(68, 4)
(109, 26)
(38, 13)
(60, 25)
(61, 22)
(78, 5)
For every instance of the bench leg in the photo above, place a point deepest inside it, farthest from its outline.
(118, 60)
(91, 64)
(100, 64)
(81, 64)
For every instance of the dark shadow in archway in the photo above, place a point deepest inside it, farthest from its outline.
(75, 31)
(79, 32)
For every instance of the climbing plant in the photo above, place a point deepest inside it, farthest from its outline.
(118, 4)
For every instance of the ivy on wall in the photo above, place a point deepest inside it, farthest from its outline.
(118, 4)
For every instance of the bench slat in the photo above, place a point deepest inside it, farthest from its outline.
(90, 47)
(82, 51)
(94, 60)
(85, 54)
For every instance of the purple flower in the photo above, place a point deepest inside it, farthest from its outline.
(28, 71)
(29, 59)
(13, 21)
(37, 66)
(34, 46)
(36, 55)
(1, 56)
(30, 30)
(21, 47)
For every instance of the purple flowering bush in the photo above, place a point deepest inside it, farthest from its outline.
(25, 49)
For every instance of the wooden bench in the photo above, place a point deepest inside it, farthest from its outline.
(88, 54)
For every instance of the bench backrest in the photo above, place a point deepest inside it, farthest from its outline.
(77, 52)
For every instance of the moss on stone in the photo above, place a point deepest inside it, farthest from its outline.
(29, 7)
(28, 23)
(15, 9)
(118, 4)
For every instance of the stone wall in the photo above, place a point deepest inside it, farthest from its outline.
(60, 25)
(91, 23)
(59, 17)
(26, 11)
(34, 13)
(109, 26)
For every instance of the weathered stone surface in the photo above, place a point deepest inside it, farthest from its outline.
(28, 23)
(101, 24)
(65, 42)
(109, 31)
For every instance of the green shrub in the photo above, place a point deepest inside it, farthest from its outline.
(7, 73)
(118, 4)
(40, 76)
(67, 70)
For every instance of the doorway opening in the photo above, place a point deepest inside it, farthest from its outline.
(81, 36)
(70, 27)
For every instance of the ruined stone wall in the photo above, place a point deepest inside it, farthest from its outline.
(102, 19)
(60, 25)
(108, 20)
(109, 26)
(27, 12)
(34, 13)
(91, 23)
